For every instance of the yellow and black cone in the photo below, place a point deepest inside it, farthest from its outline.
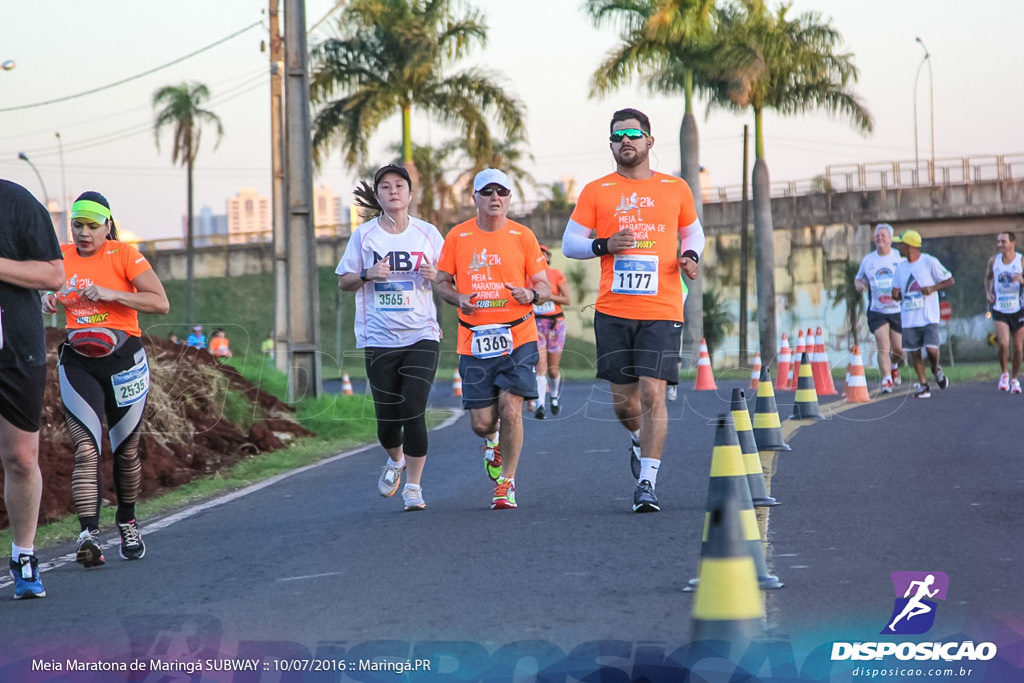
(805, 405)
(729, 482)
(751, 458)
(728, 605)
(767, 426)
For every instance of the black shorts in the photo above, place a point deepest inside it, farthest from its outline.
(1014, 320)
(630, 349)
(21, 395)
(484, 378)
(893, 320)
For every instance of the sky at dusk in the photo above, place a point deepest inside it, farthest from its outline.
(543, 52)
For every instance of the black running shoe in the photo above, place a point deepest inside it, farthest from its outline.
(644, 499)
(941, 379)
(540, 412)
(634, 459)
(90, 552)
(555, 407)
(132, 547)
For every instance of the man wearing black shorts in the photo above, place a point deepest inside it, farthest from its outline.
(1003, 279)
(30, 260)
(875, 274)
(647, 232)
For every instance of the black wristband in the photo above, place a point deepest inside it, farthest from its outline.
(362, 275)
(600, 246)
(692, 255)
(536, 296)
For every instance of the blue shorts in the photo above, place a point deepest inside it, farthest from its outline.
(893, 320)
(484, 378)
(916, 338)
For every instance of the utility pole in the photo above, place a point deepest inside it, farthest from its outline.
(304, 370)
(280, 212)
(744, 257)
(63, 194)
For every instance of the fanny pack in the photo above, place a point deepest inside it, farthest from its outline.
(96, 342)
(509, 324)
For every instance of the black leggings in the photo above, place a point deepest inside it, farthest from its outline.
(88, 393)
(400, 379)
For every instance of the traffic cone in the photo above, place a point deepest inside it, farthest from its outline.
(856, 382)
(805, 406)
(767, 426)
(457, 384)
(797, 355)
(822, 370)
(784, 360)
(748, 445)
(705, 378)
(755, 372)
(728, 605)
(346, 385)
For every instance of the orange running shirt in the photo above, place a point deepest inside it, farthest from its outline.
(114, 266)
(482, 262)
(556, 279)
(641, 283)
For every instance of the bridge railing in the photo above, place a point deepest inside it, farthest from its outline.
(890, 175)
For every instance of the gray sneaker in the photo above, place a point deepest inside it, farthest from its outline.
(941, 379)
(390, 478)
(90, 550)
(132, 547)
(412, 496)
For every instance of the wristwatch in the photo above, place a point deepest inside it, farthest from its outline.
(536, 296)
(362, 275)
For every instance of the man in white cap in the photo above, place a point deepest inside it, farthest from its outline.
(490, 258)
(919, 279)
(876, 275)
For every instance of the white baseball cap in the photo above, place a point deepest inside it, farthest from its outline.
(491, 176)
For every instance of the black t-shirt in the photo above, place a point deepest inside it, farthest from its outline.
(26, 234)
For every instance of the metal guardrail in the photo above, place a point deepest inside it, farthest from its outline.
(231, 239)
(891, 175)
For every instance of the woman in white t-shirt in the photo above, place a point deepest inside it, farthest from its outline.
(876, 274)
(389, 263)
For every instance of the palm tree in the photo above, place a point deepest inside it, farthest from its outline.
(670, 45)
(182, 109)
(508, 154)
(791, 66)
(392, 55)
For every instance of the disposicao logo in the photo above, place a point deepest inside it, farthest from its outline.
(913, 613)
(914, 609)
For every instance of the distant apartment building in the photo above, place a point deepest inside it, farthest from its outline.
(207, 226)
(248, 216)
(327, 218)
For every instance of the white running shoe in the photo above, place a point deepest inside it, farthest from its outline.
(390, 478)
(412, 496)
(672, 393)
(1014, 386)
(887, 385)
(1004, 382)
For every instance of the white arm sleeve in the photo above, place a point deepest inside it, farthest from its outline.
(576, 241)
(691, 237)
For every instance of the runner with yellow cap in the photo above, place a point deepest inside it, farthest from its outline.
(918, 281)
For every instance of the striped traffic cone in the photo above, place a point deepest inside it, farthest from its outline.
(784, 360)
(822, 370)
(755, 372)
(798, 353)
(346, 385)
(705, 378)
(457, 384)
(856, 383)
(767, 426)
(748, 445)
(728, 605)
(805, 406)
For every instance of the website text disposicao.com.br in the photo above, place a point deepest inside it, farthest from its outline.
(870, 672)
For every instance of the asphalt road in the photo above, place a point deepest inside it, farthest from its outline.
(317, 566)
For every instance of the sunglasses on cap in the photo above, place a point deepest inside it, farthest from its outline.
(631, 133)
(491, 189)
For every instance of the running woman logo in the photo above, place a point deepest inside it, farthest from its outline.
(914, 609)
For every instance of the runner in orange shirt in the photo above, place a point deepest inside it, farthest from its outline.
(647, 231)
(103, 368)
(483, 269)
(550, 339)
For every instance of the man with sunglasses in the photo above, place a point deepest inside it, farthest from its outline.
(483, 270)
(643, 225)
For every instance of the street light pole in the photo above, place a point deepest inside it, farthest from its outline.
(931, 110)
(63, 187)
(46, 195)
